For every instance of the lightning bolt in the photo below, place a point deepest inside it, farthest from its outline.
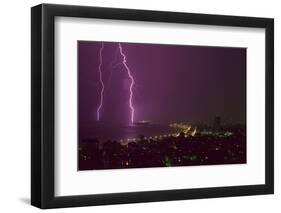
(101, 82)
(132, 82)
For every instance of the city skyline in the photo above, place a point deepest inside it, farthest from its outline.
(138, 104)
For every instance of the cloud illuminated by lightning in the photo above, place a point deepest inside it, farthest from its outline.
(101, 82)
(132, 82)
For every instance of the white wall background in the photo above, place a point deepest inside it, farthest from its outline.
(15, 105)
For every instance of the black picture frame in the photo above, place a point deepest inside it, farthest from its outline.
(43, 111)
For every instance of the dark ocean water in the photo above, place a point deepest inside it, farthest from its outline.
(117, 132)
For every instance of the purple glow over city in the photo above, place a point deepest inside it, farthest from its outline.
(154, 105)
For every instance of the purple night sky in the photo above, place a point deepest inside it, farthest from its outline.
(173, 83)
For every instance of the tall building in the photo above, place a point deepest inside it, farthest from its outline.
(217, 123)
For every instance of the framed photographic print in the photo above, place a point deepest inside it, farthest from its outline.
(140, 106)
